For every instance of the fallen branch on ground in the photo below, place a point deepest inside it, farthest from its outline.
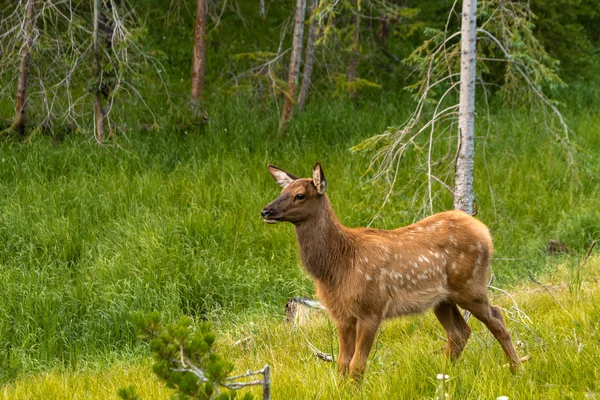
(297, 310)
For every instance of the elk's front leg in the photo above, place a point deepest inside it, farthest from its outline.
(366, 331)
(347, 339)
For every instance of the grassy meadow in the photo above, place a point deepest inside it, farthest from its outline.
(557, 325)
(165, 216)
(169, 221)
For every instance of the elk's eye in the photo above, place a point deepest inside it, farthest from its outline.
(299, 196)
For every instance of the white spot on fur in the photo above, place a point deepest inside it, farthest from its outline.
(368, 277)
(366, 260)
(480, 256)
(453, 265)
(479, 260)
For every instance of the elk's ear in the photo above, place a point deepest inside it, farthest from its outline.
(281, 177)
(319, 179)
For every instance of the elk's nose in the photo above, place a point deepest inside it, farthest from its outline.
(265, 212)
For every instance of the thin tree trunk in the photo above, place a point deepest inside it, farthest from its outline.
(106, 79)
(199, 66)
(352, 73)
(294, 70)
(309, 58)
(107, 30)
(99, 118)
(384, 31)
(261, 8)
(21, 101)
(99, 111)
(463, 193)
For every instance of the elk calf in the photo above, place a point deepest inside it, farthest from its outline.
(364, 276)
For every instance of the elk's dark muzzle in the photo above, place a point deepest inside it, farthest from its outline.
(270, 215)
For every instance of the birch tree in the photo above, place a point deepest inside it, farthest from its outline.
(294, 69)
(261, 9)
(463, 190)
(447, 65)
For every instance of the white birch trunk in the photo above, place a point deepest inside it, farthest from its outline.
(261, 7)
(294, 71)
(463, 192)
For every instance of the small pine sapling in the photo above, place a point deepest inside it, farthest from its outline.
(128, 393)
(184, 359)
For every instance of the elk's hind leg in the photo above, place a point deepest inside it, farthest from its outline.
(491, 316)
(456, 327)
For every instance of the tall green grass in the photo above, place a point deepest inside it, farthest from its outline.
(169, 219)
(559, 332)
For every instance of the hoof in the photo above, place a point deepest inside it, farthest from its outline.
(517, 369)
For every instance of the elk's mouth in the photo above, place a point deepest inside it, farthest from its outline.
(272, 220)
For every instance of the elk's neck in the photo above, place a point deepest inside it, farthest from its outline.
(324, 245)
